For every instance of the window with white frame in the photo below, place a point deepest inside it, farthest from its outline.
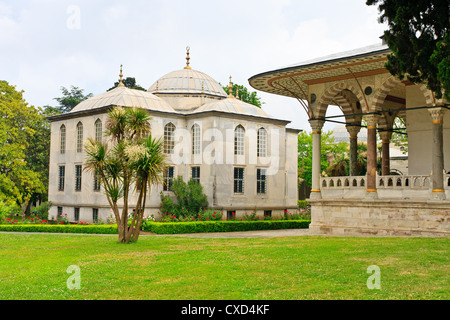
(262, 142)
(195, 174)
(61, 178)
(261, 181)
(239, 140)
(238, 180)
(195, 139)
(79, 137)
(62, 139)
(168, 178)
(78, 170)
(169, 138)
(97, 181)
(98, 130)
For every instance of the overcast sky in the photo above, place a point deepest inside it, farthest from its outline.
(46, 44)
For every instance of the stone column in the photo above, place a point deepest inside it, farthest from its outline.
(385, 157)
(353, 131)
(437, 158)
(316, 126)
(371, 186)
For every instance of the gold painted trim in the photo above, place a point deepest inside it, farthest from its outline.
(437, 121)
(352, 137)
(371, 190)
(315, 190)
(371, 127)
(317, 132)
(438, 190)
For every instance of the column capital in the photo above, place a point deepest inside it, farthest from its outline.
(385, 135)
(372, 120)
(316, 125)
(437, 114)
(353, 130)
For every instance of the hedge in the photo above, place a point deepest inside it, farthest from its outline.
(222, 226)
(67, 228)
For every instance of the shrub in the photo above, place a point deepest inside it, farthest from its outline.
(190, 199)
(250, 217)
(210, 215)
(41, 211)
(8, 209)
(222, 226)
(303, 204)
(61, 228)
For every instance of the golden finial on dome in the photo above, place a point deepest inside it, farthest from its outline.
(230, 89)
(120, 78)
(203, 87)
(187, 58)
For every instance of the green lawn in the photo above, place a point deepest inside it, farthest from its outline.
(33, 266)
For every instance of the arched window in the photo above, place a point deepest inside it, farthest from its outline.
(79, 137)
(262, 142)
(98, 130)
(195, 139)
(169, 139)
(62, 132)
(239, 140)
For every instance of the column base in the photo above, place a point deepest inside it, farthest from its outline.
(315, 194)
(438, 195)
(371, 194)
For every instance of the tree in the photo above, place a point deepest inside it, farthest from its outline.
(329, 147)
(71, 98)
(19, 125)
(129, 83)
(133, 158)
(419, 40)
(244, 94)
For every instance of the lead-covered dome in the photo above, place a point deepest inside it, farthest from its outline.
(187, 81)
(233, 106)
(125, 97)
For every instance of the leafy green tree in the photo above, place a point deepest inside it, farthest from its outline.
(134, 158)
(19, 124)
(329, 147)
(129, 82)
(418, 37)
(244, 94)
(71, 98)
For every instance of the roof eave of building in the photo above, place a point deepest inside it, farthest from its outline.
(318, 63)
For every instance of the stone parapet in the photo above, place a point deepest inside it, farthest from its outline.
(362, 217)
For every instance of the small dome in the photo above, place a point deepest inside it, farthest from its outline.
(125, 97)
(233, 105)
(340, 133)
(187, 81)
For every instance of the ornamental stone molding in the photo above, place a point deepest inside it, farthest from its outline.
(372, 120)
(316, 125)
(437, 114)
(385, 135)
(353, 130)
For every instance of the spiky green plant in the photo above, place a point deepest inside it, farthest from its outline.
(133, 157)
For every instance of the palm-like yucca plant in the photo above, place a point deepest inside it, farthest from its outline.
(134, 157)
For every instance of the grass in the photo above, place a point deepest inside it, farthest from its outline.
(33, 266)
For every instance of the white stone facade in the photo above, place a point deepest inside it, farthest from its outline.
(216, 159)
